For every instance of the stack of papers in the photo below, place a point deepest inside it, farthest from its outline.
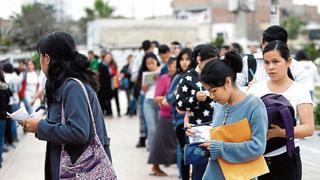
(201, 134)
(20, 114)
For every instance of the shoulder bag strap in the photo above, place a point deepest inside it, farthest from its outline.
(87, 97)
(252, 64)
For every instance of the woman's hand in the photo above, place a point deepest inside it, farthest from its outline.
(275, 131)
(164, 102)
(145, 87)
(30, 125)
(201, 96)
(31, 103)
(189, 130)
(205, 145)
(179, 111)
(175, 93)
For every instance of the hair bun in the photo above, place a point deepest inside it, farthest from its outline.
(234, 60)
(74, 53)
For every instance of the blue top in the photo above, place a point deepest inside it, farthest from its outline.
(254, 110)
(172, 99)
(76, 132)
(164, 70)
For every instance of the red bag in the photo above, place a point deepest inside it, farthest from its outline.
(22, 89)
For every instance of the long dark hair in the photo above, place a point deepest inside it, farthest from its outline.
(65, 62)
(179, 58)
(2, 76)
(144, 68)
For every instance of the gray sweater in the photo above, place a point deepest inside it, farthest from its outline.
(78, 129)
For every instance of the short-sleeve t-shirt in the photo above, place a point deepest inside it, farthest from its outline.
(296, 94)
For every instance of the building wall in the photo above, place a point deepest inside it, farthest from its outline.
(113, 33)
(257, 20)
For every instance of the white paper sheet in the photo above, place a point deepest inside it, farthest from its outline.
(201, 134)
(20, 114)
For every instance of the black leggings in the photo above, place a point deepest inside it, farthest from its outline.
(283, 167)
(185, 169)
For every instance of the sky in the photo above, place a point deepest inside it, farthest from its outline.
(129, 8)
(75, 8)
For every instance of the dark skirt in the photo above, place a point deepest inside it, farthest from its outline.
(163, 149)
(284, 167)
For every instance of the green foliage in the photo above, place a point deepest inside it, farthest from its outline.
(219, 41)
(99, 10)
(293, 26)
(103, 10)
(34, 21)
(36, 60)
(311, 51)
(4, 40)
(316, 114)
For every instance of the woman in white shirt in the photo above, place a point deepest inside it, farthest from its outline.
(32, 85)
(276, 61)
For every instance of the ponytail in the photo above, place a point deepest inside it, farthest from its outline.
(215, 72)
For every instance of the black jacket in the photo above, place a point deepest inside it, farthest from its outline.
(5, 95)
(105, 81)
(200, 112)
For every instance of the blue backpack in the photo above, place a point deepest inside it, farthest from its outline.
(281, 113)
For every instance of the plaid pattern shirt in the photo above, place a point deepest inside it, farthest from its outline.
(261, 75)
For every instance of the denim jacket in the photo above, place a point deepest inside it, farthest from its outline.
(78, 129)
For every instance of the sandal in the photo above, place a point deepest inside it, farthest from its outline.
(158, 173)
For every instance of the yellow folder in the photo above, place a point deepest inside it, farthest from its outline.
(238, 132)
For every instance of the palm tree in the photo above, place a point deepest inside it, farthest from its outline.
(100, 9)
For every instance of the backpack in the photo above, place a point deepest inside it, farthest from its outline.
(23, 86)
(252, 64)
(280, 113)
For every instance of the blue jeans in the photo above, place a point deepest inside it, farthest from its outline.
(26, 102)
(142, 121)
(2, 129)
(198, 171)
(150, 111)
(13, 124)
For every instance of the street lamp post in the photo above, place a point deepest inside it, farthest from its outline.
(274, 13)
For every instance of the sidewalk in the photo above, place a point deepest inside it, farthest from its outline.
(27, 160)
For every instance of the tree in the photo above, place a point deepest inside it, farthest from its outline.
(100, 9)
(219, 41)
(311, 51)
(293, 26)
(28, 27)
(4, 40)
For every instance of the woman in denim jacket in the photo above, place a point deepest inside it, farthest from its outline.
(60, 61)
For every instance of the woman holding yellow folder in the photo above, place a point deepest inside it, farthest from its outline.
(239, 124)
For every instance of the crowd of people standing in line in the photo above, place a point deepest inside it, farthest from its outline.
(172, 89)
(212, 84)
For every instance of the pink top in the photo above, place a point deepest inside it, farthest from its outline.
(162, 88)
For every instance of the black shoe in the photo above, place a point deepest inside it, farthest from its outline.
(140, 145)
(141, 142)
(5, 149)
